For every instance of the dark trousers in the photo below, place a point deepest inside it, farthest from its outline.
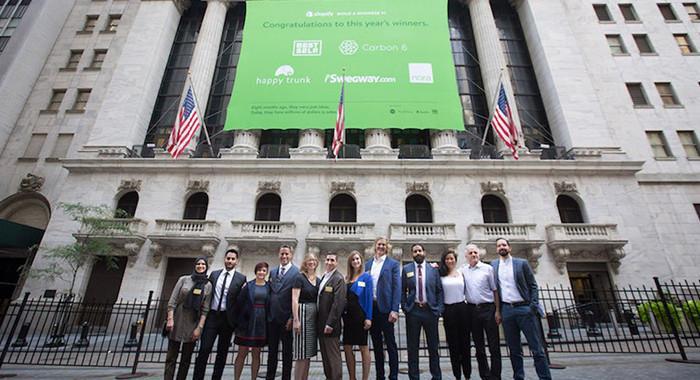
(517, 319)
(216, 326)
(382, 332)
(456, 319)
(277, 332)
(417, 319)
(171, 359)
(483, 319)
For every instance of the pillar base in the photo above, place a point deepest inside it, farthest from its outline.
(379, 152)
(241, 152)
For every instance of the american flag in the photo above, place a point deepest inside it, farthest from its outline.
(187, 123)
(502, 122)
(339, 133)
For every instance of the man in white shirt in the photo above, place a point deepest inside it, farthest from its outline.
(484, 310)
(227, 283)
(520, 309)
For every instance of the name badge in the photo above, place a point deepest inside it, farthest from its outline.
(361, 284)
(328, 289)
(409, 274)
(197, 292)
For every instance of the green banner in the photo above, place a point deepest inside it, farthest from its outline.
(393, 55)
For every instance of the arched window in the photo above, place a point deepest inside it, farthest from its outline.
(196, 206)
(418, 209)
(268, 208)
(569, 210)
(343, 209)
(494, 209)
(126, 206)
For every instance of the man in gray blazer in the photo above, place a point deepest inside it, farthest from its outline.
(517, 290)
(423, 302)
(279, 326)
(331, 303)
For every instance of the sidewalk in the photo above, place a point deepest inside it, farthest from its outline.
(579, 366)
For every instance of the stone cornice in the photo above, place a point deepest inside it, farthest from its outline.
(492, 168)
(668, 178)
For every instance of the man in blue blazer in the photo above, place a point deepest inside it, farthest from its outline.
(422, 302)
(279, 326)
(517, 290)
(386, 283)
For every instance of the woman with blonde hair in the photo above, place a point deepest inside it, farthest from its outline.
(304, 297)
(357, 319)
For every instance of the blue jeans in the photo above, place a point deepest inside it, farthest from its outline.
(523, 319)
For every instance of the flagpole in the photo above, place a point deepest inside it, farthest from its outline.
(342, 138)
(201, 115)
(492, 108)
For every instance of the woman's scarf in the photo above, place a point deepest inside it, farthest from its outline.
(194, 299)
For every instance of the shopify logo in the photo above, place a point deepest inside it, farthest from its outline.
(348, 47)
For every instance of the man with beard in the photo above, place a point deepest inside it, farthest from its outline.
(226, 284)
(422, 301)
(517, 290)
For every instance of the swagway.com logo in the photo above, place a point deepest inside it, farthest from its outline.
(339, 78)
(283, 75)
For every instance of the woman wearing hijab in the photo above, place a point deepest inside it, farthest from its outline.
(187, 310)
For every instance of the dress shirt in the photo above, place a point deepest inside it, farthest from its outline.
(286, 269)
(453, 288)
(326, 276)
(480, 282)
(375, 271)
(218, 297)
(421, 268)
(506, 278)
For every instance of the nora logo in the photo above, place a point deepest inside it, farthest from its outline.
(284, 70)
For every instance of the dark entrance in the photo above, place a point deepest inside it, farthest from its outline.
(177, 267)
(102, 291)
(592, 289)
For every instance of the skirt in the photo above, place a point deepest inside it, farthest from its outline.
(305, 344)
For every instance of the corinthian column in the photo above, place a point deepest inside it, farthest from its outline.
(206, 50)
(491, 59)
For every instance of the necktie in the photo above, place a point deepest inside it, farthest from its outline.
(221, 293)
(420, 283)
(281, 272)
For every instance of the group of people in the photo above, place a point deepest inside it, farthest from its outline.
(307, 313)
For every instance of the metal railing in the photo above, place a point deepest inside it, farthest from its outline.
(661, 318)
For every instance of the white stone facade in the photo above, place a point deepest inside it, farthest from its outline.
(646, 203)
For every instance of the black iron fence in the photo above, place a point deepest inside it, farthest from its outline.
(663, 318)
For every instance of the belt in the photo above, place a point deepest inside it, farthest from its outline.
(480, 304)
(516, 304)
(421, 305)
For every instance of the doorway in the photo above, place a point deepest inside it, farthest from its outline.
(592, 288)
(102, 291)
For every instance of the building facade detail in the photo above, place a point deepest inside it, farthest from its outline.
(31, 182)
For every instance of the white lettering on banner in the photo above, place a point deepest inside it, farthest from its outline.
(420, 73)
(282, 80)
(372, 79)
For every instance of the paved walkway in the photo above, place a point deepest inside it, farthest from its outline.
(579, 366)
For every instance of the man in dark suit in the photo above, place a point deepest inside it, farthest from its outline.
(520, 308)
(279, 326)
(385, 308)
(226, 283)
(331, 304)
(423, 302)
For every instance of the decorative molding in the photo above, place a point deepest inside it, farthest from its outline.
(274, 186)
(31, 183)
(417, 187)
(340, 187)
(565, 187)
(492, 187)
(129, 185)
(196, 185)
